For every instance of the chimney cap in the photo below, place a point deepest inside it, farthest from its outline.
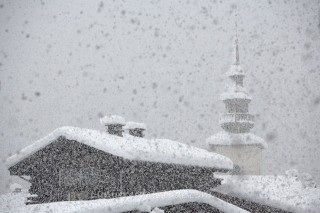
(113, 119)
(135, 125)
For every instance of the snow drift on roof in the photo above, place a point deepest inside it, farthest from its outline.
(144, 203)
(287, 193)
(131, 148)
(134, 125)
(113, 119)
(226, 139)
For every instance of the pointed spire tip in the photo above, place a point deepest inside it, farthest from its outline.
(237, 62)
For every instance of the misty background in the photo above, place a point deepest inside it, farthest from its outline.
(162, 63)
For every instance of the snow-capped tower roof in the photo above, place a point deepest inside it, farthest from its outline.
(236, 74)
(226, 139)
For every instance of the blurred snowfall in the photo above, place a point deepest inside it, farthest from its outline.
(162, 63)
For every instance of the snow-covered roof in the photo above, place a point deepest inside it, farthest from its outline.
(144, 203)
(231, 94)
(135, 125)
(113, 119)
(224, 138)
(287, 193)
(235, 70)
(131, 148)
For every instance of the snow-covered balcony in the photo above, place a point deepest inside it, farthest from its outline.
(236, 122)
(236, 117)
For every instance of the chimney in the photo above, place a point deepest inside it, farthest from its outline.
(113, 124)
(136, 129)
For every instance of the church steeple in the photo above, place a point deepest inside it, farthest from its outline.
(236, 141)
(236, 119)
(237, 57)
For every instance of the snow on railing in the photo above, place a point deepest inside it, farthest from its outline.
(143, 203)
(146, 202)
(236, 117)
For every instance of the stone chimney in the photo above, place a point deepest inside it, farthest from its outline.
(136, 129)
(113, 124)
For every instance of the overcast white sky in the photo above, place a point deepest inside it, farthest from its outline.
(162, 63)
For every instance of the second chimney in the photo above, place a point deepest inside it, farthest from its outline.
(113, 124)
(136, 129)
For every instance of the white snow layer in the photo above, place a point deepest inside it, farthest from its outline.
(143, 203)
(235, 70)
(157, 210)
(224, 138)
(134, 125)
(15, 186)
(234, 94)
(12, 201)
(131, 148)
(113, 119)
(287, 193)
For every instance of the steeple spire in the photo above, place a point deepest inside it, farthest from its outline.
(236, 48)
(237, 62)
